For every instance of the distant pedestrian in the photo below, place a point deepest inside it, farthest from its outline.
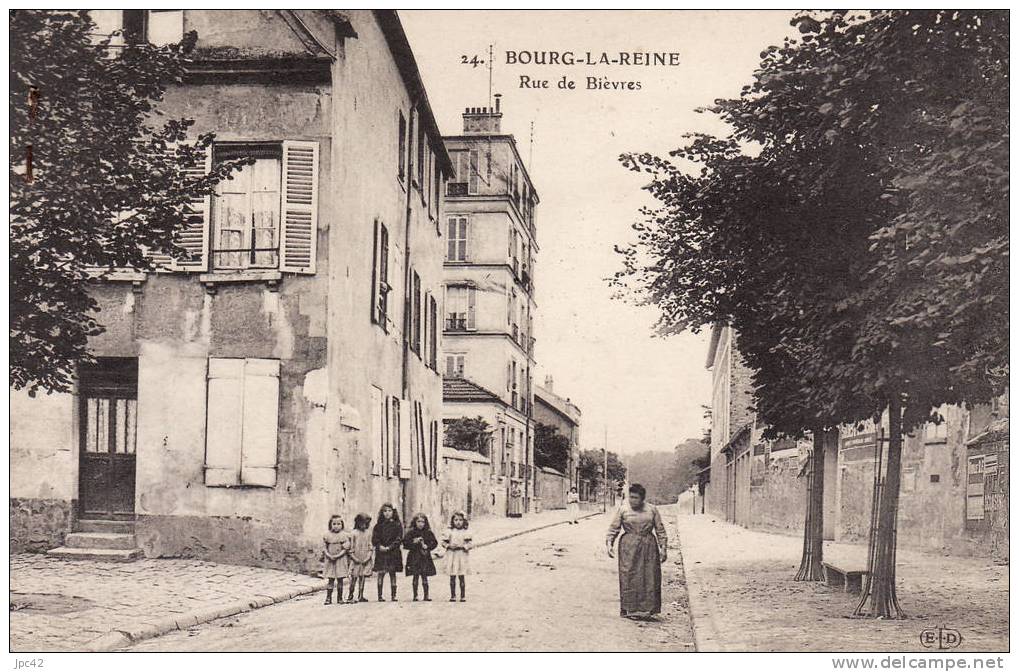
(573, 505)
(642, 550)
(386, 537)
(420, 542)
(335, 558)
(360, 556)
(457, 543)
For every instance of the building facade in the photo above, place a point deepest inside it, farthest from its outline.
(562, 414)
(488, 335)
(954, 479)
(289, 368)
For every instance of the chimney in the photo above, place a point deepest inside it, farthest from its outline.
(483, 120)
(548, 384)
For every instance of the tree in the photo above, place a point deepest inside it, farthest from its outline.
(473, 434)
(823, 226)
(98, 180)
(592, 467)
(551, 449)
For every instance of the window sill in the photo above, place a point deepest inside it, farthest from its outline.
(211, 280)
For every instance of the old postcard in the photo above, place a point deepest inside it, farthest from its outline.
(353, 330)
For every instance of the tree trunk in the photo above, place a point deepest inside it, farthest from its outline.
(813, 526)
(879, 599)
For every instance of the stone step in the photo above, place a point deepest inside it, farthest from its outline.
(102, 540)
(110, 526)
(102, 554)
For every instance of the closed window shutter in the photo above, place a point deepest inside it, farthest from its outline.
(404, 449)
(393, 445)
(299, 233)
(261, 422)
(471, 302)
(223, 421)
(194, 236)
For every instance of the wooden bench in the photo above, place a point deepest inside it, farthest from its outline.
(850, 580)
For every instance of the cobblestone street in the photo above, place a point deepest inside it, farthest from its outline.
(744, 599)
(552, 590)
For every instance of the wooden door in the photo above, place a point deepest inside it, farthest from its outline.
(108, 431)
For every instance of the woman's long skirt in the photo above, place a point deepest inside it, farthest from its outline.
(640, 574)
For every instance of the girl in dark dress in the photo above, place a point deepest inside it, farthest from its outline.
(386, 537)
(420, 542)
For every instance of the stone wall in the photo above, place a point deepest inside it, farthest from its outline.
(778, 497)
(468, 485)
(551, 488)
(38, 525)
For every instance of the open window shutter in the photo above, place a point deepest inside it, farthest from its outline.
(299, 221)
(393, 447)
(404, 448)
(261, 422)
(375, 274)
(194, 236)
(225, 404)
(378, 429)
(471, 303)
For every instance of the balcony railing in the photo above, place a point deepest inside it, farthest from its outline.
(456, 323)
(456, 189)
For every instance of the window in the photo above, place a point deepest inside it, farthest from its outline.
(465, 163)
(433, 333)
(415, 335)
(460, 303)
(241, 422)
(436, 189)
(456, 238)
(109, 406)
(402, 160)
(455, 364)
(380, 277)
(266, 216)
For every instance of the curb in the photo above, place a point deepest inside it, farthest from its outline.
(518, 533)
(119, 639)
(702, 617)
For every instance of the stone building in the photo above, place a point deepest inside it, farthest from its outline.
(289, 369)
(564, 416)
(954, 483)
(488, 335)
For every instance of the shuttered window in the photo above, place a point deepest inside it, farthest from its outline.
(456, 238)
(433, 333)
(461, 302)
(415, 337)
(402, 146)
(380, 276)
(242, 418)
(455, 364)
(379, 431)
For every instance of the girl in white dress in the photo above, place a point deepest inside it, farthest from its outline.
(457, 543)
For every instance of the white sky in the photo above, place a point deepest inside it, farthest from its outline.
(645, 391)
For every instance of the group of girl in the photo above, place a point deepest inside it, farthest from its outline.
(356, 554)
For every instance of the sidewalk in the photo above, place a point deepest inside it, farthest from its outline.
(76, 605)
(743, 598)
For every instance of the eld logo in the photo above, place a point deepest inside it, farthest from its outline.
(940, 638)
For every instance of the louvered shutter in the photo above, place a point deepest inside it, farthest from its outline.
(471, 303)
(225, 402)
(194, 236)
(378, 430)
(260, 422)
(299, 223)
(404, 457)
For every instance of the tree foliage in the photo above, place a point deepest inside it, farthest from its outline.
(592, 463)
(665, 474)
(473, 434)
(551, 449)
(98, 180)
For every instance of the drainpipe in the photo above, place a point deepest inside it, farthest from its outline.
(412, 133)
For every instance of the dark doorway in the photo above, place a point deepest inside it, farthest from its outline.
(108, 419)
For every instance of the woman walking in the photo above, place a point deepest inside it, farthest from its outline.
(642, 550)
(572, 506)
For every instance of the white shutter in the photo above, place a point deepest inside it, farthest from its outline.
(299, 206)
(223, 422)
(194, 236)
(260, 422)
(404, 451)
(392, 444)
(378, 431)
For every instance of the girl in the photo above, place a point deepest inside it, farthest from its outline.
(458, 543)
(573, 505)
(386, 538)
(335, 557)
(360, 556)
(420, 542)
